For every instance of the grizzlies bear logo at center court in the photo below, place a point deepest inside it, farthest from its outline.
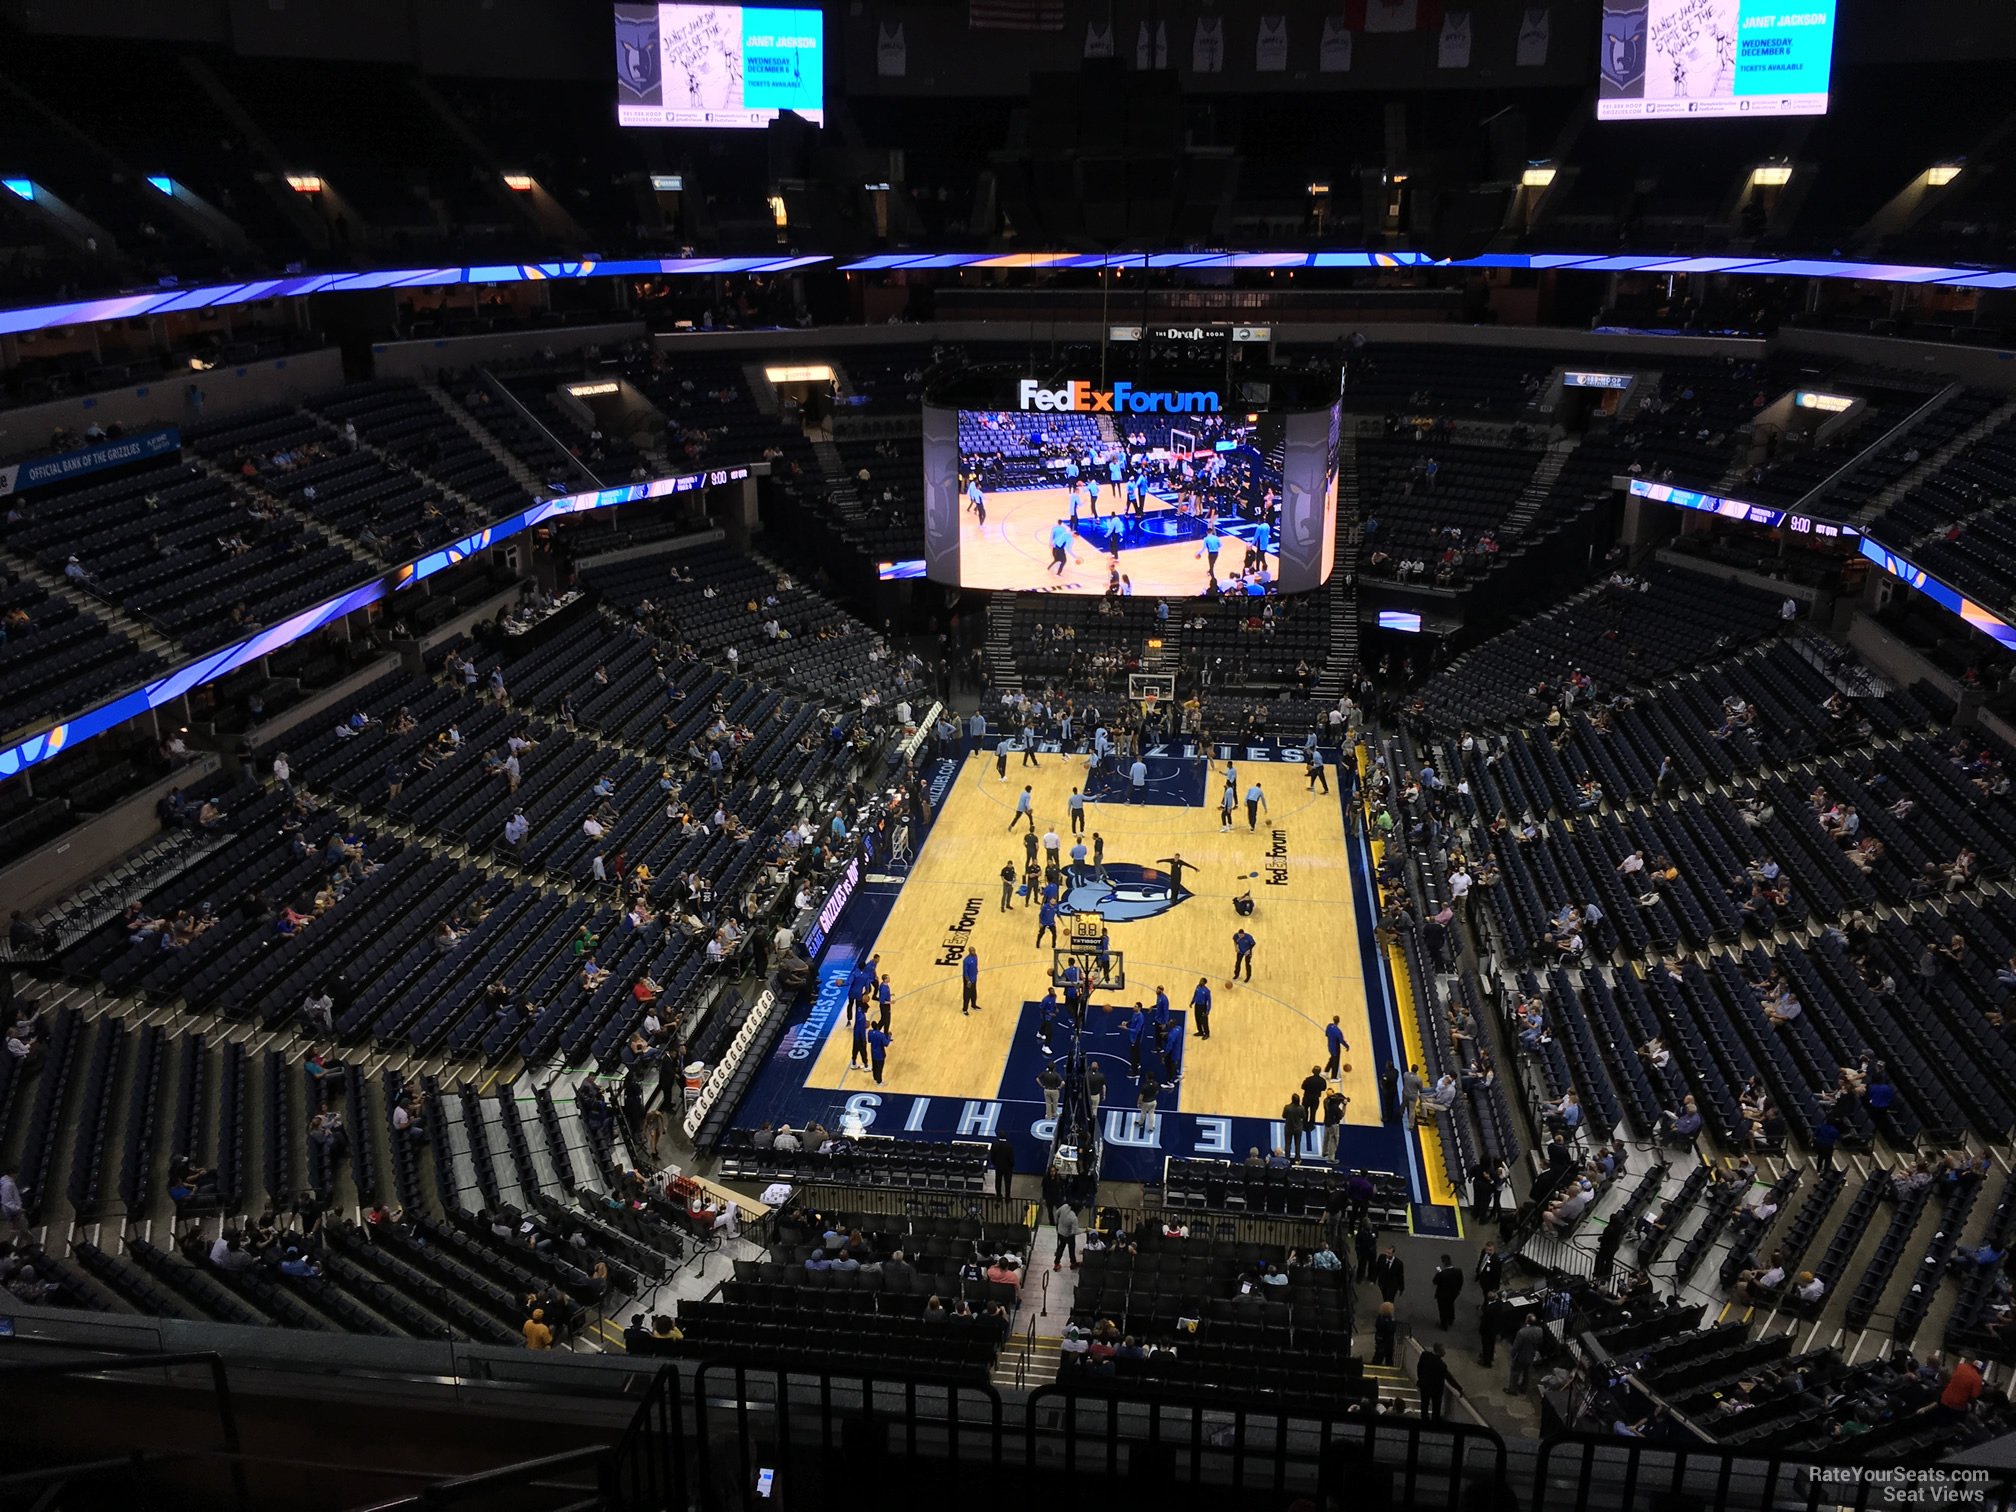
(1125, 892)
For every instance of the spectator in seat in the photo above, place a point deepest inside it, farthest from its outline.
(1566, 1113)
(1442, 1096)
(1567, 1209)
(230, 1255)
(1881, 1095)
(325, 1075)
(1684, 1127)
(406, 1119)
(26, 1048)
(317, 1010)
(637, 1338)
(1783, 1007)
(1762, 1284)
(537, 1334)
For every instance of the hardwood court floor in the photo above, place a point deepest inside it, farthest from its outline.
(1012, 551)
(1264, 1036)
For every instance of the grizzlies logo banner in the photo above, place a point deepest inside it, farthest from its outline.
(639, 70)
(1622, 64)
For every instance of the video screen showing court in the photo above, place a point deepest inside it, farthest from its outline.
(1192, 504)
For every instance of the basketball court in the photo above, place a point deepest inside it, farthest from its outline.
(1160, 552)
(949, 1075)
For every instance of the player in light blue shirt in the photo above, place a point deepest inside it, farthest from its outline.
(1060, 546)
(1212, 542)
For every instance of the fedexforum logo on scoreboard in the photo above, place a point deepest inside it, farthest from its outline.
(1081, 398)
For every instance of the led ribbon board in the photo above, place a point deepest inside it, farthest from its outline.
(1737, 509)
(1900, 567)
(213, 296)
(61, 736)
(1941, 593)
(208, 296)
(1538, 262)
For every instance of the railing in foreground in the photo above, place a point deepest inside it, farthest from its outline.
(735, 1434)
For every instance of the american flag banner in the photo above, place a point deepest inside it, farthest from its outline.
(1015, 15)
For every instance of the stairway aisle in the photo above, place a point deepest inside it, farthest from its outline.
(1932, 464)
(1002, 669)
(141, 633)
(1047, 1295)
(1538, 487)
(511, 462)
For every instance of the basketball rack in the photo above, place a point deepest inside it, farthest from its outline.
(901, 852)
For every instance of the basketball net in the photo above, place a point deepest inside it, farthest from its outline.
(1149, 704)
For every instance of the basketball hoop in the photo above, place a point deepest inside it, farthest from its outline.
(1150, 690)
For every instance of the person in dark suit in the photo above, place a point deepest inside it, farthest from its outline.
(1314, 1085)
(1433, 1381)
(1384, 1329)
(1365, 1245)
(1001, 1155)
(1389, 1274)
(1447, 1284)
(1389, 1093)
(1490, 1269)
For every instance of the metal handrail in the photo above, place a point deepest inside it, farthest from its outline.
(220, 1386)
(448, 1492)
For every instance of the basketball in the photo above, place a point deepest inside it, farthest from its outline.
(1228, 984)
(1347, 1068)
